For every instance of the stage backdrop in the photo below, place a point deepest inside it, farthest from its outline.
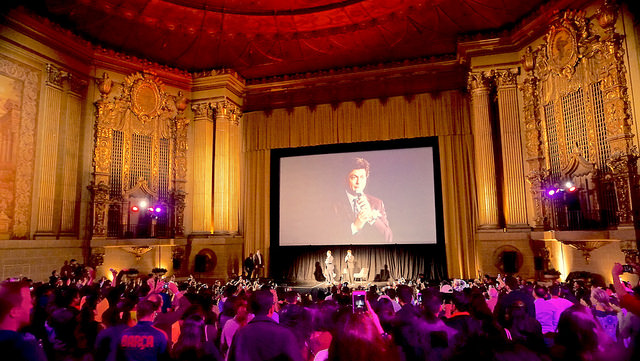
(384, 262)
(444, 114)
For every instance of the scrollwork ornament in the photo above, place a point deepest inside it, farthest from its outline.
(100, 195)
(538, 178)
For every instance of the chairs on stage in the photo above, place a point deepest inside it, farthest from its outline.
(363, 275)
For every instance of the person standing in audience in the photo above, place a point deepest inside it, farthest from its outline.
(15, 313)
(559, 302)
(545, 310)
(143, 342)
(239, 320)
(263, 338)
(604, 313)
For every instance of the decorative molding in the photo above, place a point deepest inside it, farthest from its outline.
(142, 108)
(18, 209)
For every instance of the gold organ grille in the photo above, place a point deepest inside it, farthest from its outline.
(115, 175)
(141, 155)
(575, 123)
(552, 135)
(163, 168)
(603, 149)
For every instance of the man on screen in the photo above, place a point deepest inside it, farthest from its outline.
(365, 214)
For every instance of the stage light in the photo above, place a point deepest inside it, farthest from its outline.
(551, 192)
(134, 209)
(143, 204)
(158, 209)
(150, 209)
(568, 185)
(572, 189)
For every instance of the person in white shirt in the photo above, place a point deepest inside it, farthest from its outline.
(560, 303)
(545, 311)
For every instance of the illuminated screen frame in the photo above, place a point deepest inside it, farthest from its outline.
(278, 156)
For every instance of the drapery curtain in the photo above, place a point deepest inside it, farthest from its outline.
(445, 115)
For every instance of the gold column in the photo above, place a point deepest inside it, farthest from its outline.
(50, 125)
(515, 210)
(623, 158)
(202, 167)
(226, 185)
(71, 151)
(485, 170)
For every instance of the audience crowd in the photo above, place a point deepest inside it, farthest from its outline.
(148, 317)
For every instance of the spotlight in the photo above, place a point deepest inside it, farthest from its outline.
(143, 204)
(551, 192)
(568, 185)
(572, 189)
(150, 209)
(134, 208)
(158, 209)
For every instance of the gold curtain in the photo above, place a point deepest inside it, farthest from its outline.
(444, 114)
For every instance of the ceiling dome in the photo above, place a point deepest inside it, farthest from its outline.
(260, 38)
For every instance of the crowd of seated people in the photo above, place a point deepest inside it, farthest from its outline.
(147, 317)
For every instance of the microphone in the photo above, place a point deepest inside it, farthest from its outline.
(357, 205)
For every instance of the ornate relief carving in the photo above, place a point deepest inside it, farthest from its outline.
(533, 131)
(100, 200)
(19, 213)
(538, 178)
(572, 58)
(142, 108)
(181, 146)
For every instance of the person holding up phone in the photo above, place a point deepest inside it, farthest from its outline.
(627, 300)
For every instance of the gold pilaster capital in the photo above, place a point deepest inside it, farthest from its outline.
(225, 109)
(506, 78)
(479, 81)
(55, 76)
(202, 111)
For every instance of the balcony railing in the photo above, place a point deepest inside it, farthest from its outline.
(157, 230)
(566, 220)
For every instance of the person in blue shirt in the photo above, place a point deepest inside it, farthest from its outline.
(15, 313)
(143, 342)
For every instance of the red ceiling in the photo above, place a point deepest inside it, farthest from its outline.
(260, 38)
